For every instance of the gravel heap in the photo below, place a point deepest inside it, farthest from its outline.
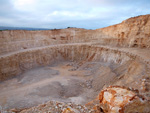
(57, 107)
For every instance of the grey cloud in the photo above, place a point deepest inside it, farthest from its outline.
(90, 14)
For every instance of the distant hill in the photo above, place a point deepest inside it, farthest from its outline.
(21, 28)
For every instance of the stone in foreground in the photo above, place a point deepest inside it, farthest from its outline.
(115, 99)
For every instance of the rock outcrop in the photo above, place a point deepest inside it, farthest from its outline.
(133, 32)
(116, 99)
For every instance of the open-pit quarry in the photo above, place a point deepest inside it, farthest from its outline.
(76, 70)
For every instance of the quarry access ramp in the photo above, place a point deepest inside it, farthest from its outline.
(143, 54)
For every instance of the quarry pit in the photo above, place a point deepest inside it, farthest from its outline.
(72, 65)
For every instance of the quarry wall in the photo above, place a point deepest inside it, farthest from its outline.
(17, 62)
(15, 40)
(133, 32)
(21, 49)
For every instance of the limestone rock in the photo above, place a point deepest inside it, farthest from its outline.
(115, 99)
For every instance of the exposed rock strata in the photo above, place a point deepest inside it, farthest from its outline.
(15, 63)
(133, 32)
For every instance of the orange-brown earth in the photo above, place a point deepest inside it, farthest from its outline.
(69, 68)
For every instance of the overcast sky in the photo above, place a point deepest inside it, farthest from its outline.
(89, 14)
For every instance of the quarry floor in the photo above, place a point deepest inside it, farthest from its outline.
(60, 82)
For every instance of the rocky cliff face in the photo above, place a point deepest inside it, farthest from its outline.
(15, 40)
(115, 55)
(133, 32)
